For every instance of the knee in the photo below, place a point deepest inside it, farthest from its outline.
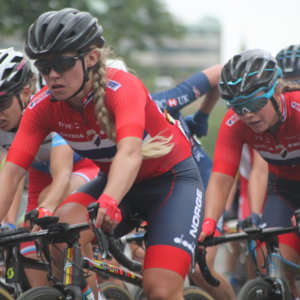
(157, 293)
(159, 290)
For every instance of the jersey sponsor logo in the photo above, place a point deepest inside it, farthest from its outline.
(232, 120)
(196, 92)
(38, 99)
(114, 85)
(72, 135)
(295, 106)
(172, 102)
(65, 125)
(181, 241)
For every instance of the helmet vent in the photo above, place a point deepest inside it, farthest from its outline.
(3, 57)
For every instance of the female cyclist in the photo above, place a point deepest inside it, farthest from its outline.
(265, 117)
(204, 84)
(52, 174)
(107, 115)
(56, 170)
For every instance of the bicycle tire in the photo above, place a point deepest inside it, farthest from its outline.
(189, 293)
(42, 292)
(113, 291)
(5, 295)
(195, 293)
(139, 294)
(258, 289)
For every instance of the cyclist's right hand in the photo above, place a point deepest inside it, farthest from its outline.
(208, 228)
(109, 215)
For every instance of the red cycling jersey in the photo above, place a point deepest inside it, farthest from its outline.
(281, 150)
(134, 114)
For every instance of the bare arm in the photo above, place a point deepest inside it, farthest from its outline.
(218, 189)
(61, 166)
(11, 216)
(124, 168)
(211, 98)
(122, 174)
(257, 184)
(10, 176)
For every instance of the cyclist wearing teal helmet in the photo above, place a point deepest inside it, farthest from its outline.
(248, 82)
(289, 61)
(263, 115)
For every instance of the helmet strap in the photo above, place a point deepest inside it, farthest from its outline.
(275, 127)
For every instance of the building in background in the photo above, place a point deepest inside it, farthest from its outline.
(199, 48)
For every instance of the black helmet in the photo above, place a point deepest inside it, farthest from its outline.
(15, 72)
(289, 61)
(248, 73)
(61, 31)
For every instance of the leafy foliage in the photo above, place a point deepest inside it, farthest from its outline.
(127, 24)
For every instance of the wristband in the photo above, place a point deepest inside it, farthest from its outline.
(111, 205)
(43, 212)
(209, 226)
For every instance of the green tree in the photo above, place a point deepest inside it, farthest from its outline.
(128, 24)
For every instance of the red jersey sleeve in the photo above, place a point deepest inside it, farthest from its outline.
(126, 99)
(229, 145)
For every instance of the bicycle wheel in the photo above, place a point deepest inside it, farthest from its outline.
(5, 295)
(195, 293)
(257, 289)
(42, 292)
(113, 291)
(189, 293)
(139, 294)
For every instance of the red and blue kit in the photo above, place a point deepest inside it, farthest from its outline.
(166, 189)
(280, 149)
(130, 105)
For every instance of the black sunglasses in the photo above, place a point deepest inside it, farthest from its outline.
(59, 64)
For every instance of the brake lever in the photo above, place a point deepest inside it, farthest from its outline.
(100, 235)
(201, 260)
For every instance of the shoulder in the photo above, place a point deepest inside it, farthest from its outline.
(41, 97)
(292, 100)
(231, 119)
(117, 78)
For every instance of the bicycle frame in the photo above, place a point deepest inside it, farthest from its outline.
(16, 281)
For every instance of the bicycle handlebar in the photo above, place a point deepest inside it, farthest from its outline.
(262, 235)
(107, 242)
(56, 233)
(248, 234)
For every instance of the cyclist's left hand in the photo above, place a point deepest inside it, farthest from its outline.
(198, 123)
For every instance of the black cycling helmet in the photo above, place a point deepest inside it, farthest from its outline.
(248, 73)
(15, 72)
(61, 31)
(289, 61)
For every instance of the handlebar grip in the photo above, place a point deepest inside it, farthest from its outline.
(201, 260)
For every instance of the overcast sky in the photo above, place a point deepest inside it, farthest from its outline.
(267, 24)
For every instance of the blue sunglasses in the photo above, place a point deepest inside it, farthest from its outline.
(252, 105)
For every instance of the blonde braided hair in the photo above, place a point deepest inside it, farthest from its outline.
(289, 86)
(152, 147)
